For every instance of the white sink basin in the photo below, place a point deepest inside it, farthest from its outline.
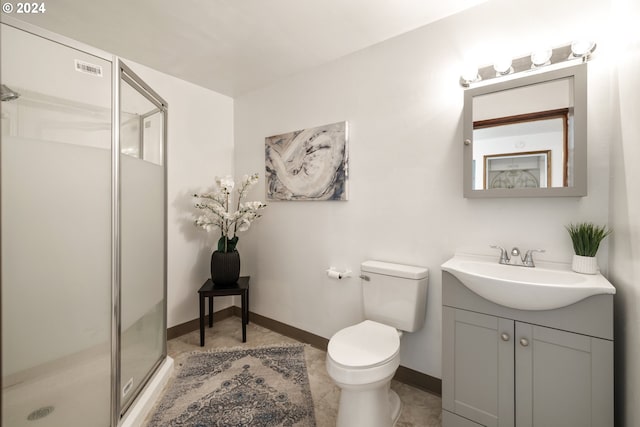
(525, 288)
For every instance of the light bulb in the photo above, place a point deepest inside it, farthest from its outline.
(541, 57)
(503, 66)
(469, 75)
(581, 48)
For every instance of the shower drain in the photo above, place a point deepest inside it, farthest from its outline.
(40, 413)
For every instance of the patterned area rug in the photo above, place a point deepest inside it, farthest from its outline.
(257, 387)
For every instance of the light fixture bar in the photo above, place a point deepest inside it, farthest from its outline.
(526, 63)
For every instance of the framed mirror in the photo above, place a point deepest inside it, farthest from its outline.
(527, 136)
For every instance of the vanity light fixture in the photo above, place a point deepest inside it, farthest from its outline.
(576, 51)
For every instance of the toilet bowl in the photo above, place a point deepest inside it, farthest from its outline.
(362, 359)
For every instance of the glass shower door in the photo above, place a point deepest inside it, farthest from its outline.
(142, 234)
(56, 233)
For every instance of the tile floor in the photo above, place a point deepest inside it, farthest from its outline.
(421, 409)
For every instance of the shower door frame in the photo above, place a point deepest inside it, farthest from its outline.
(117, 67)
(119, 73)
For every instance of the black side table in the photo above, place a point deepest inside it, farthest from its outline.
(208, 290)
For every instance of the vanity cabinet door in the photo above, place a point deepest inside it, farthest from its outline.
(562, 378)
(478, 367)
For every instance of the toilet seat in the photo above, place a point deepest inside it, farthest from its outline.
(365, 345)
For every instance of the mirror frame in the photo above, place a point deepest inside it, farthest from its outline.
(579, 188)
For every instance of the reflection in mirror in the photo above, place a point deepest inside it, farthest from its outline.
(527, 137)
(525, 151)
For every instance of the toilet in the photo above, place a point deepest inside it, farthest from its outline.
(362, 359)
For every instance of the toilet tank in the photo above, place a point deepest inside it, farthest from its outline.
(395, 294)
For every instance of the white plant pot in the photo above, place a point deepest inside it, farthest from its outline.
(584, 264)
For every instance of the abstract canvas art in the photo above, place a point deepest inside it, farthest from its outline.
(308, 164)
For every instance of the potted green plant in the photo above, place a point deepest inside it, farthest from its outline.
(586, 238)
(217, 213)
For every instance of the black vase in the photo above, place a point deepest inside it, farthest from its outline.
(225, 268)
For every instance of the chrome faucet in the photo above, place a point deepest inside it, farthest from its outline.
(516, 258)
(527, 261)
(504, 257)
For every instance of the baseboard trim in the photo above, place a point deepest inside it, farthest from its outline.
(194, 325)
(286, 330)
(403, 374)
(419, 380)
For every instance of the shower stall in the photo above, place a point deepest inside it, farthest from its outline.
(83, 231)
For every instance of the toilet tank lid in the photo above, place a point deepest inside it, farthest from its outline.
(395, 270)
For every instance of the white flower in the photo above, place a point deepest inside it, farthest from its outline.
(225, 183)
(247, 183)
(243, 224)
(217, 207)
(251, 206)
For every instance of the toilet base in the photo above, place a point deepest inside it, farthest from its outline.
(374, 407)
(396, 406)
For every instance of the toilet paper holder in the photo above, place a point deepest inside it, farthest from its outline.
(333, 273)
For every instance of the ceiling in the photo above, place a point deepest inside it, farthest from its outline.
(236, 46)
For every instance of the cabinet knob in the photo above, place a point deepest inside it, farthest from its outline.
(504, 336)
(467, 142)
(524, 342)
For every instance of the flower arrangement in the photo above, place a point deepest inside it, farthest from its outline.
(217, 210)
(586, 238)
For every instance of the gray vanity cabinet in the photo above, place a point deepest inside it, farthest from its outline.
(513, 368)
(478, 373)
(562, 378)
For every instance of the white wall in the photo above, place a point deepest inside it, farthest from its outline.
(199, 147)
(404, 107)
(625, 210)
